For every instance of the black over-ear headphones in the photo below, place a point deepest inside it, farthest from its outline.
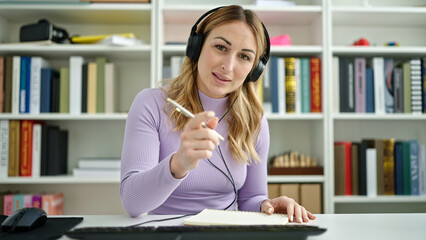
(195, 43)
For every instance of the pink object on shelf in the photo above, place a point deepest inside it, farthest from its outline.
(283, 40)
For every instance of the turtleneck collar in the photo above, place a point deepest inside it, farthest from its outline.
(218, 105)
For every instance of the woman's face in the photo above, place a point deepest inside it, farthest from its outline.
(227, 57)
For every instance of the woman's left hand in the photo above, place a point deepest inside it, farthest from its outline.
(287, 206)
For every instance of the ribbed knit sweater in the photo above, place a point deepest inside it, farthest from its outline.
(149, 142)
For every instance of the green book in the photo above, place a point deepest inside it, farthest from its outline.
(406, 168)
(64, 90)
(305, 77)
(406, 79)
(100, 84)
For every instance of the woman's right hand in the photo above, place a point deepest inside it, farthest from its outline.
(196, 142)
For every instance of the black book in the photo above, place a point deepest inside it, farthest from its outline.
(84, 89)
(347, 84)
(362, 168)
(44, 150)
(54, 107)
(53, 150)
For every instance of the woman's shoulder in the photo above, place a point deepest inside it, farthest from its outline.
(151, 95)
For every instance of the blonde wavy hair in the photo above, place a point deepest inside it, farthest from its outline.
(244, 118)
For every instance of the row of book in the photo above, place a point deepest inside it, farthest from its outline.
(51, 203)
(379, 167)
(292, 85)
(31, 85)
(306, 194)
(380, 85)
(30, 148)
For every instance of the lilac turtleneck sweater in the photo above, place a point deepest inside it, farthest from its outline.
(149, 142)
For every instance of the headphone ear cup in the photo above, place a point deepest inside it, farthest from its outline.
(255, 74)
(193, 48)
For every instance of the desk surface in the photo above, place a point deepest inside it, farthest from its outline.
(339, 226)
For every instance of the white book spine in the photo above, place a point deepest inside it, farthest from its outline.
(110, 88)
(379, 87)
(176, 64)
(336, 85)
(37, 63)
(297, 73)
(4, 148)
(16, 80)
(371, 172)
(36, 150)
(281, 85)
(76, 68)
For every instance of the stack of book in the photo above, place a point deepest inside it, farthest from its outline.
(32, 149)
(379, 167)
(51, 203)
(31, 85)
(98, 167)
(379, 85)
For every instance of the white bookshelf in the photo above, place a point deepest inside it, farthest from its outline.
(318, 28)
(380, 22)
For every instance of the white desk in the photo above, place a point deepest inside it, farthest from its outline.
(339, 226)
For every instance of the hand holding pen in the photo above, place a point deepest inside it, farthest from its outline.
(196, 142)
(187, 113)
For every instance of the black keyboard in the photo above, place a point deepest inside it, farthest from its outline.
(287, 232)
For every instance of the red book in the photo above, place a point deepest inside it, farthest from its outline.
(26, 148)
(348, 166)
(316, 98)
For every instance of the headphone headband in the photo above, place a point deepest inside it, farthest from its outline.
(195, 43)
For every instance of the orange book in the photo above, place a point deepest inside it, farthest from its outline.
(53, 203)
(316, 98)
(26, 148)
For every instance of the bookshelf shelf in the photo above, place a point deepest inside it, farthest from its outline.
(378, 199)
(296, 179)
(66, 116)
(59, 180)
(78, 13)
(352, 116)
(409, 51)
(86, 50)
(379, 16)
(307, 116)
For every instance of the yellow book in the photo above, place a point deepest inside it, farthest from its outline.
(95, 38)
(91, 87)
(223, 217)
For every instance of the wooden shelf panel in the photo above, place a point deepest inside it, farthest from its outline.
(78, 13)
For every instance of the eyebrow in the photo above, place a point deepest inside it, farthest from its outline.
(230, 44)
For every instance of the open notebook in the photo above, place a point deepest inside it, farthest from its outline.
(223, 217)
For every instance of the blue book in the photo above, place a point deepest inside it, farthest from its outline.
(274, 84)
(24, 85)
(369, 90)
(398, 169)
(47, 74)
(414, 163)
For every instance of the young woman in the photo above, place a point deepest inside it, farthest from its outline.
(171, 164)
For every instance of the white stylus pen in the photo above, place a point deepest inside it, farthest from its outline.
(187, 113)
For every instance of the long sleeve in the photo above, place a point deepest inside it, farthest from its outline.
(146, 181)
(255, 191)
